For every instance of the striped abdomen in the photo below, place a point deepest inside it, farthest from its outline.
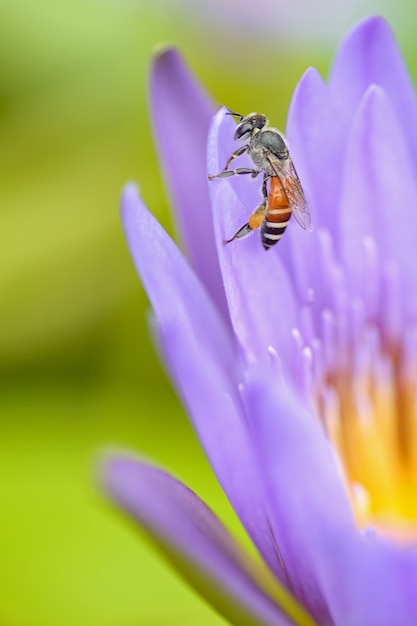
(277, 214)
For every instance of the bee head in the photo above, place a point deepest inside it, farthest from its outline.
(249, 125)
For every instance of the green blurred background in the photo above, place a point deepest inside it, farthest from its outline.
(78, 371)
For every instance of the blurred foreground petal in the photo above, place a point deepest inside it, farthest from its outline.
(198, 545)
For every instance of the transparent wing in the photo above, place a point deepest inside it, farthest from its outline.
(293, 190)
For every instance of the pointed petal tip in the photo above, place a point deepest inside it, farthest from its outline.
(120, 472)
(163, 50)
(373, 93)
(372, 24)
(375, 96)
(109, 466)
(217, 136)
(130, 198)
(219, 114)
(221, 117)
(216, 122)
(309, 87)
(371, 29)
(131, 188)
(167, 67)
(311, 75)
(166, 56)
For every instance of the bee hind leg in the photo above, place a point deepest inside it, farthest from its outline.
(255, 221)
(239, 234)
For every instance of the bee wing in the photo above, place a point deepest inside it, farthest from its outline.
(293, 190)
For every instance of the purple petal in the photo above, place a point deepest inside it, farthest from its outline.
(378, 194)
(316, 144)
(175, 292)
(304, 485)
(200, 356)
(369, 55)
(181, 113)
(260, 296)
(370, 581)
(197, 544)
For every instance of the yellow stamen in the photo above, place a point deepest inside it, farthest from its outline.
(371, 418)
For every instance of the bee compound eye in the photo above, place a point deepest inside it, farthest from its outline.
(260, 121)
(243, 130)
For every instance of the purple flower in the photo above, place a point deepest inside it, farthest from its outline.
(298, 365)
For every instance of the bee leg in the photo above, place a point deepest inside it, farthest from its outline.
(237, 153)
(257, 217)
(224, 173)
(239, 234)
(238, 171)
(264, 188)
(254, 222)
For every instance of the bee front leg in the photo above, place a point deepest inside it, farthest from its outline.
(225, 173)
(238, 171)
(237, 153)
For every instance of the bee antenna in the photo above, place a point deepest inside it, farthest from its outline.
(230, 112)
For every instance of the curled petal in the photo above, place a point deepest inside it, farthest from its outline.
(181, 113)
(197, 544)
(200, 356)
(260, 296)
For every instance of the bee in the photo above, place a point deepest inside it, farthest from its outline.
(282, 192)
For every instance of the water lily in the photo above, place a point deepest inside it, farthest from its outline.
(297, 366)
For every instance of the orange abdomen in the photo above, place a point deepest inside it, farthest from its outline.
(277, 214)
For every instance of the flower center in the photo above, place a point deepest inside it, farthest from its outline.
(358, 359)
(370, 418)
